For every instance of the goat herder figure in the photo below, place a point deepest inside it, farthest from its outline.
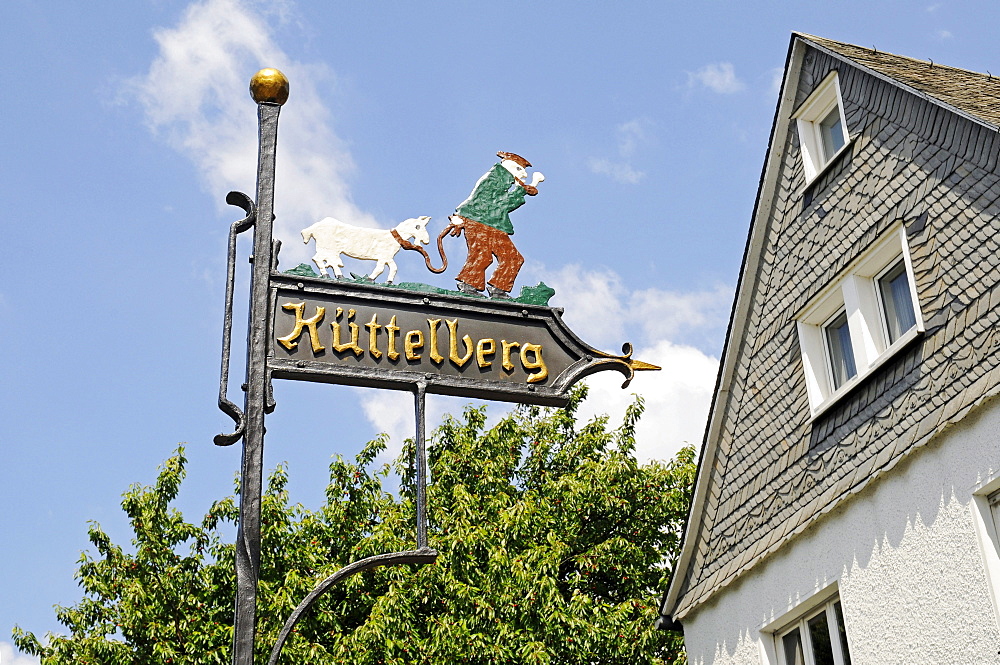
(485, 218)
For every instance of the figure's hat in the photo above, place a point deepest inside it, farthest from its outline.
(517, 159)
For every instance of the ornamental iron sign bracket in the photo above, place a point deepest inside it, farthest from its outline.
(409, 336)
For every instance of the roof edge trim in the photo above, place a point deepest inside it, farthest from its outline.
(741, 306)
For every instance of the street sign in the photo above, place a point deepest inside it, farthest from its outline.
(369, 335)
(409, 336)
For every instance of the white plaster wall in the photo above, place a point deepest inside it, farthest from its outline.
(905, 554)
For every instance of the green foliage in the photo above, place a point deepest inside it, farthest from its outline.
(552, 542)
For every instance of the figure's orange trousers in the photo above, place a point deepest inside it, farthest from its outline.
(484, 243)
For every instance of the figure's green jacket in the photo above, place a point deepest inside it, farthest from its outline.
(492, 200)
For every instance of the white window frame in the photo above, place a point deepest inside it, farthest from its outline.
(805, 638)
(856, 291)
(985, 507)
(798, 614)
(824, 99)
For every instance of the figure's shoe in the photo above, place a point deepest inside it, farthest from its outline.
(466, 288)
(497, 294)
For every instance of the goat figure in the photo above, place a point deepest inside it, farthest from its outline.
(334, 238)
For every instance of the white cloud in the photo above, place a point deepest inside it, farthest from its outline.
(681, 315)
(196, 97)
(594, 301)
(618, 171)
(10, 656)
(631, 134)
(393, 412)
(601, 309)
(717, 77)
(777, 74)
(663, 326)
(677, 398)
(629, 137)
(943, 35)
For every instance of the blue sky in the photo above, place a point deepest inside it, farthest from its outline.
(125, 124)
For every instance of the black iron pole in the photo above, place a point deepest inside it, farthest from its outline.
(248, 537)
(420, 452)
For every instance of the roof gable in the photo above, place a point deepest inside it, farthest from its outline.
(766, 472)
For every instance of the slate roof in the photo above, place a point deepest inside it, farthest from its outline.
(973, 92)
(924, 149)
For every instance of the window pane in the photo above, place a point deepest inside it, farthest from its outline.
(819, 636)
(994, 500)
(839, 611)
(791, 644)
(838, 341)
(895, 289)
(833, 133)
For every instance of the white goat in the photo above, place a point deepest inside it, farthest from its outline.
(334, 238)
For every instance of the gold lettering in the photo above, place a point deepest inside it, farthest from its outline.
(433, 353)
(537, 363)
(391, 330)
(507, 346)
(453, 344)
(290, 341)
(485, 347)
(414, 341)
(355, 333)
(373, 327)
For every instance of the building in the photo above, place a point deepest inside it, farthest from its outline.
(842, 510)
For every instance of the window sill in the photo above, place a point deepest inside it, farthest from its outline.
(829, 165)
(897, 347)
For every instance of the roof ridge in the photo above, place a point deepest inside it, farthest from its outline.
(824, 40)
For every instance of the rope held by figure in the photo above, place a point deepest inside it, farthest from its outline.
(406, 244)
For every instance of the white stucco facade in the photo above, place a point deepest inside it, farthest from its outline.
(913, 560)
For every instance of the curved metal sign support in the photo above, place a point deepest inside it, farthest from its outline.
(421, 556)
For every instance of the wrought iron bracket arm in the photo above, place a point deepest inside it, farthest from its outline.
(240, 200)
(422, 556)
(625, 364)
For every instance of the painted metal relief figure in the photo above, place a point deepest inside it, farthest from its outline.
(334, 238)
(485, 218)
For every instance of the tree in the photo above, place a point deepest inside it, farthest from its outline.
(552, 542)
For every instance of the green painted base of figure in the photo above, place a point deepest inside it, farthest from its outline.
(540, 294)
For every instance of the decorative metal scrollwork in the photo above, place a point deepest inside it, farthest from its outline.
(240, 200)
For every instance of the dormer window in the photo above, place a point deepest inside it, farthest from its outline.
(821, 125)
(861, 320)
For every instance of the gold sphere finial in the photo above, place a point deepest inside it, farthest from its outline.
(269, 85)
